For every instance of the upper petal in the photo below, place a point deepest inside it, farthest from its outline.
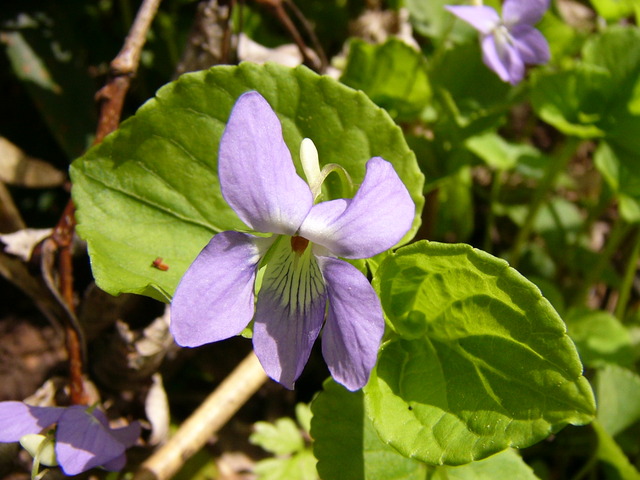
(17, 419)
(531, 44)
(289, 312)
(373, 221)
(214, 299)
(257, 175)
(482, 18)
(502, 58)
(322, 215)
(355, 325)
(83, 442)
(527, 12)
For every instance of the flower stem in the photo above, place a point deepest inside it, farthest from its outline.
(618, 233)
(547, 183)
(629, 274)
(498, 177)
(214, 412)
(348, 188)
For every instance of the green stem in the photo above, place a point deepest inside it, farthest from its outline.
(498, 177)
(629, 274)
(587, 467)
(35, 467)
(618, 232)
(441, 47)
(348, 188)
(545, 186)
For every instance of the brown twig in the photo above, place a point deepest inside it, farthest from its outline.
(210, 416)
(123, 68)
(111, 98)
(311, 33)
(225, 50)
(248, 376)
(62, 236)
(277, 6)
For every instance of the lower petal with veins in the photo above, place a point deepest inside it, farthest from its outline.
(289, 312)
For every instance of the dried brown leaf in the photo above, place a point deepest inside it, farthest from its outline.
(17, 168)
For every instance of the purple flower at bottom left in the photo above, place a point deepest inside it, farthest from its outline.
(83, 437)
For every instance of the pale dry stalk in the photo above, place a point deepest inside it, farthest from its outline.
(208, 418)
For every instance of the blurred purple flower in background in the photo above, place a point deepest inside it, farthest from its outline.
(510, 42)
(83, 438)
(299, 272)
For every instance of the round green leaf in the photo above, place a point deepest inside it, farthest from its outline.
(617, 51)
(574, 101)
(301, 466)
(507, 464)
(281, 437)
(431, 19)
(481, 361)
(600, 338)
(496, 152)
(620, 167)
(475, 106)
(151, 188)
(346, 444)
(392, 74)
(611, 455)
(614, 9)
(618, 398)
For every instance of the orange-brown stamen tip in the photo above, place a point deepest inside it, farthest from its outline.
(299, 244)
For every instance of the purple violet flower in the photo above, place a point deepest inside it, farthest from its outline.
(83, 438)
(511, 42)
(301, 278)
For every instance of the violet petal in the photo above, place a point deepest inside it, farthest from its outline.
(214, 299)
(531, 45)
(482, 18)
(116, 464)
(257, 175)
(127, 436)
(502, 59)
(18, 419)
(289, 312)
(375, 219)
(82, 442)
(355, 325)
(528, 12)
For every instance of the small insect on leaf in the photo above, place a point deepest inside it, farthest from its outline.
(160, 265)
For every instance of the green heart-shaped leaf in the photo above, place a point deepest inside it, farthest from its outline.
(618, 398)
(507, 464)
(393, 74)
(481, 361)
(574, 100)
(346, 444)
(151, 188)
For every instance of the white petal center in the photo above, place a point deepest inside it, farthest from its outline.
(292, 274)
